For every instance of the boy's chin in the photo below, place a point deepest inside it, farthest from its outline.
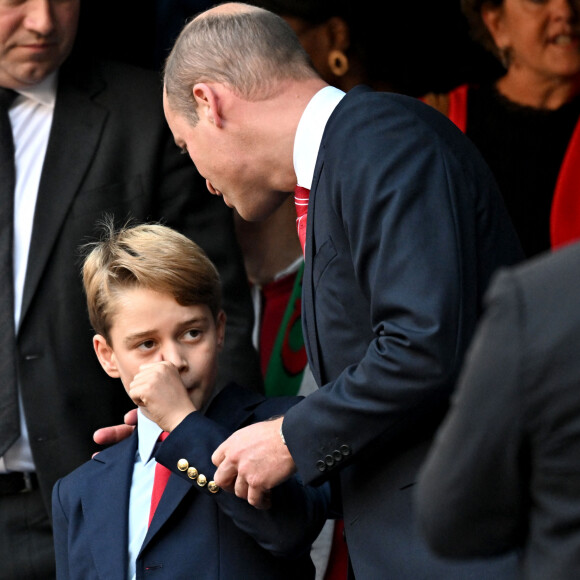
(200, 400)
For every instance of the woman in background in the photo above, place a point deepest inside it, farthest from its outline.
(525, 122)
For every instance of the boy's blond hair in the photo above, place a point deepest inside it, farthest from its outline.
(150, 256)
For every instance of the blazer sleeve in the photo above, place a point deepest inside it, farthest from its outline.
(297, 514)
(471, 496)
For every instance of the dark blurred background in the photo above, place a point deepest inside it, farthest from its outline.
(423, 42)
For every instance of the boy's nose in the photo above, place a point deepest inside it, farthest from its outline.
(174, 355)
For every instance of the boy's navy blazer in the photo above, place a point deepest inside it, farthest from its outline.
(405, 228)
(192, 534)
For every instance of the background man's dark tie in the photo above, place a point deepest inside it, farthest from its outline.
(9, 419)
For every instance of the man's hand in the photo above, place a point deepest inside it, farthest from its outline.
(252, 461)
(116, 433)
(158, 389)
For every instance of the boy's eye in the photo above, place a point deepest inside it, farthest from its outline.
(146, 345)
(193, 333)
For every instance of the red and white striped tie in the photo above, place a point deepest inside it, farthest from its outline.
(301, 195)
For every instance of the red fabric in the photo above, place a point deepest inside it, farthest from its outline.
(301, 195)
(161, 476)
(337, 568)
(458, 107)
(565, 214)
(275, 297)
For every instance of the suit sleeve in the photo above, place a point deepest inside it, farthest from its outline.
(297, 514)
(60, 534)
(471, 492)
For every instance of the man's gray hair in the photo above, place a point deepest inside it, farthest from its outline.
(250, 51)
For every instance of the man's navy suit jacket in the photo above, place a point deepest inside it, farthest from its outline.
(405, 228)
(194, 533)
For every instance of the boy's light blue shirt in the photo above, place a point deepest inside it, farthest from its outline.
(141, 487)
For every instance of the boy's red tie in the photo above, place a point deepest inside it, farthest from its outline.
(161, 476)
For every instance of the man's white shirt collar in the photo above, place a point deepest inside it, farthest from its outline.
(310, 130)
(44, 92)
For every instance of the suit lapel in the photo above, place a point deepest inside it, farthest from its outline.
(233, 406)
(76, 129)
(105, 499)
(308, 320)
(175, 490)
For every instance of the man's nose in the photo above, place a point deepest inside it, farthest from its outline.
(39, 17)
(211, 188)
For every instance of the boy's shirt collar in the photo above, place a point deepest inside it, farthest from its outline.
(148, 434)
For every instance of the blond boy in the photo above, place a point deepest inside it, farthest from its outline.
(154, 302)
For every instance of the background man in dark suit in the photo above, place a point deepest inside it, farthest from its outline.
(405, 227)
(503, 472)
(90, 139)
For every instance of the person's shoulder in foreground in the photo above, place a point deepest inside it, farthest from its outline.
(502, 474)
(154, 299)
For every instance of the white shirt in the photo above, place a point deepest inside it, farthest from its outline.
(310, 130)
(141, 488)
(31, 118)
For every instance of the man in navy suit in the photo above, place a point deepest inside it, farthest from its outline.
(404, 228)
(154, 299)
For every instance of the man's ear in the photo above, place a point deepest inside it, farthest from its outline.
(207, 99)
(106, 356)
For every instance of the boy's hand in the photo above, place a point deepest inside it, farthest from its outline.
(158, 389)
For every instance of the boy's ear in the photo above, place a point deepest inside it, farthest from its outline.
(221, 329)
(105, 355)
(207, 99)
